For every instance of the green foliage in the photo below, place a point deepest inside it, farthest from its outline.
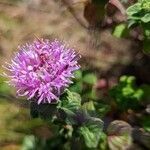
(139, 12)
(84, 84)
(126, 94)
(77, 115)
(102, 109)
(89, 78)
(120, 30)
(91, 132)
(139, 15)
(78, 75)
(70, 102)
(89, 107)
(78, 123)
(72, 118)
(103, 145)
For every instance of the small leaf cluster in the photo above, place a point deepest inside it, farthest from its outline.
(139, 15)
(126, 94)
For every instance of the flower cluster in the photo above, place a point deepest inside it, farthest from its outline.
(43, 69)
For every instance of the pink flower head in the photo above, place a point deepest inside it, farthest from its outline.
(43, 69)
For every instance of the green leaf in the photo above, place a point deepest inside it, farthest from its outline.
(145, 5)
(119, 30)
(131, 23)
(88, 106)
(103, 145)
(90, 94)
(90, 78)
(78, 75)
(147, 33)
(127, 79)
(102, 109)
(76, 87)
(138, 94)
(70, 102)
(146, 18)
(91, 132)
(134, 9)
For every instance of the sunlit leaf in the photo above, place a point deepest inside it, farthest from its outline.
(146, 18)
(134, 9)
(119, 30)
